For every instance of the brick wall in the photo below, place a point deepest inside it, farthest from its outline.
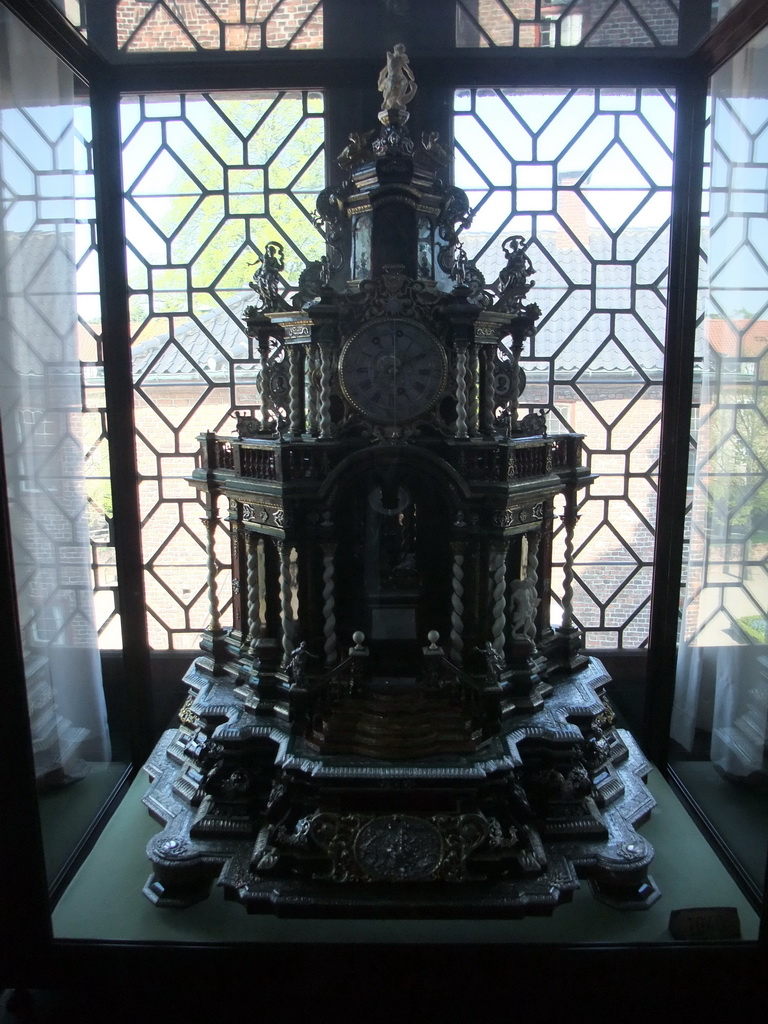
(621, 27)
(144, 26)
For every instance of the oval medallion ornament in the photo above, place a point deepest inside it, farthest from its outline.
(399, 848)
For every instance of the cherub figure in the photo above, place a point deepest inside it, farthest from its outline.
(396, 81)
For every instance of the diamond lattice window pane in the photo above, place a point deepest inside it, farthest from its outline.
(601, 252)
(209, 181)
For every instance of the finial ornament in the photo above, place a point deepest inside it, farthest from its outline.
(396, 81)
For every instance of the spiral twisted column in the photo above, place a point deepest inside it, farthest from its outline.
(211, 522)
(264, 379)
(324, 398)
(497, 568)
(569, 520)
(461, 392)
(489, 396)
(313, 390)
(457, 604)
(286, 611)
(295, 390)
(473, 396)
(252, 586)
(532, 565)
(329, 604)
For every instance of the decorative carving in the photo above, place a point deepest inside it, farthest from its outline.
(457, 602)
(266, 279)
(497, 570)
(396, 82)
(505, 518)
(430, 142)
(357, 152)
(522, 606)
(455, 214)
(407, 508)
(296, 666)
(533, 423)
(393, 295)
(312, 280)
(398, 848)
(512, 284)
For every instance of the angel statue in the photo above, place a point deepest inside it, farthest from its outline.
(396, 81)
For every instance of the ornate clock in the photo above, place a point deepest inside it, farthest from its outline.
(390, 709)
(392, 370)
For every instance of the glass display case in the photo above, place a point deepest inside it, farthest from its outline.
(719, 717)
(156, 158)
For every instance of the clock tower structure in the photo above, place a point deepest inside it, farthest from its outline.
(390, 725)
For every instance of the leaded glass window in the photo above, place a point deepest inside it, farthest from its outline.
(93, 419)
(587, 174)
(156, 26)
(532, 23)
(210, 180)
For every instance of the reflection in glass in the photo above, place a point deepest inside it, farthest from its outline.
(603, 23)
(720, 719)
(44, 431)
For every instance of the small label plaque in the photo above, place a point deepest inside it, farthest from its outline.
(694, 923)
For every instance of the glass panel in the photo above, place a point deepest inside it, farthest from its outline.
(593, 171)
(158, 26)
(720, 720)
(74, 12)
(722, 7)
(210, 181)
(611, 23)
(93, 412)
(53, 444)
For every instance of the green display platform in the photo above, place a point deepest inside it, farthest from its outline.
(105, 901)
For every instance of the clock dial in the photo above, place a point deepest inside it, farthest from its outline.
(392, 370)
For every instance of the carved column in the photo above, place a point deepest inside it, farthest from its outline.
(461, 391)
(286, 608)
(211, 521)
(324, 398)
(514, 395)
(255, 587)
(457, 602)
(264, 379)
(329, 604)
(487, 396)
(532, 570)
(497, 568)
(296, 389)
(313, 390)
(569, 518)
(474, 391)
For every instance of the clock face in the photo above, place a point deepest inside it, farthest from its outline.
(392, 370)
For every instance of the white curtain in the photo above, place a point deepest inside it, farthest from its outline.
(40, 402)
